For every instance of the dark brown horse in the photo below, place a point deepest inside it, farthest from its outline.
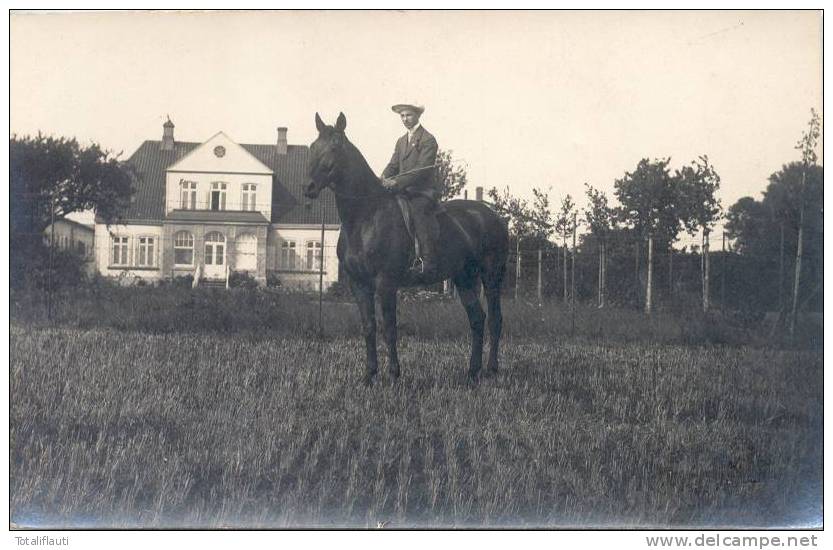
(376, 249)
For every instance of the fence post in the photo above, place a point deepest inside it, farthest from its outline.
(723, 275)
(564, 270)
(604, 272)
(517, 265)
(650, 274)
(781, 273)
(51, 256)
(573, 276)
(321, 281)
(539, 276)
(637, 280)
(798, 253)
(705, 270)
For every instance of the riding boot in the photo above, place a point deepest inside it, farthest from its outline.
(427, 233)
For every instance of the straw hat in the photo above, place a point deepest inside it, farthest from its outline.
(399, 107)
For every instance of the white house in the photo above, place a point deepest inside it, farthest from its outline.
(216, 207)
(74, 236)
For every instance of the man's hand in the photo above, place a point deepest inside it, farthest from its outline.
(388, 183)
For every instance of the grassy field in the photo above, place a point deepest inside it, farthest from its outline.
(124, 413)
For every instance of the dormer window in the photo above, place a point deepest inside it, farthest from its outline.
(218, 196)
(187, 195)
(249, 199)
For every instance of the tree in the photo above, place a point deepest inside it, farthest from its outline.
(747, 222)
(452, 176)
(564, 226)
(700, 208)
(56, 176)
(514, 209)
(53, 177)
(525, 221)
(599, 217)
(650, 205)
(765, 233)
(541, 224)
(807, 146)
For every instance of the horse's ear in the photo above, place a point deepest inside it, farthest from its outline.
(319, 124)
(341, 122)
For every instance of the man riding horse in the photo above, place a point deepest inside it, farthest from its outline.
(374, 242)
(411, 173)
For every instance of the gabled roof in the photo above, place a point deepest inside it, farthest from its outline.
(290, 177)
(204, 159)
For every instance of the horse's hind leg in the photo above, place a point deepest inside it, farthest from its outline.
(495, 326)
(467, 288)
(493, 271)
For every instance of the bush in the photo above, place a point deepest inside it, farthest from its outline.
(272, 280)
(338, 289)
(242, 279)
(34, 271)
(184, 281)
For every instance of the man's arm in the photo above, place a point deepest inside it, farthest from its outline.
(393, 166)
(427, 157)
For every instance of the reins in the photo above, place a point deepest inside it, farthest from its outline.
(379, 187)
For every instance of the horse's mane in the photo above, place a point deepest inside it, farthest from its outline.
(368, 179)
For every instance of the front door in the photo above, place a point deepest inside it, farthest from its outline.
(215, 256)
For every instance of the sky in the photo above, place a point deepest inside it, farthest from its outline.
(524, 99)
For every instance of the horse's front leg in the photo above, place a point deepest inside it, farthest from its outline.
(387, 295)
(364, 294)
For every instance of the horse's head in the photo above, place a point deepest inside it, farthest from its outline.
(326, 160)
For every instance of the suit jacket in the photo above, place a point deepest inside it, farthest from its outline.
(422, 152)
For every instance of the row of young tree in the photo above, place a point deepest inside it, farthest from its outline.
(657, 206)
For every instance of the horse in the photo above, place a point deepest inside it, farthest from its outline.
(375, 249)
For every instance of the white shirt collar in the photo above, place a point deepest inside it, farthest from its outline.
(414, 129)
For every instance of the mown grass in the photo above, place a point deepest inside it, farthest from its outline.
(165, 423)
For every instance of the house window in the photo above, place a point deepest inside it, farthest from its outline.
(218, 196)
(183, 248)
(187, 195)
(120, 251)
(215, 249)
(314, 255)
(246, 252)
(146, 252)
(249, 197)
(288, 255)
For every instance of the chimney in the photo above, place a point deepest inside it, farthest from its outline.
(281, 146)
(168, 135)
(478, 193)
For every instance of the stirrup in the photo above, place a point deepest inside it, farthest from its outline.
(418, 266)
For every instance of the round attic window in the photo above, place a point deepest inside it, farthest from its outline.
(219, 151)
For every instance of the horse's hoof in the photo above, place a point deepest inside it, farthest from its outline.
(473, 377)
(491, 372)
(368, 380)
